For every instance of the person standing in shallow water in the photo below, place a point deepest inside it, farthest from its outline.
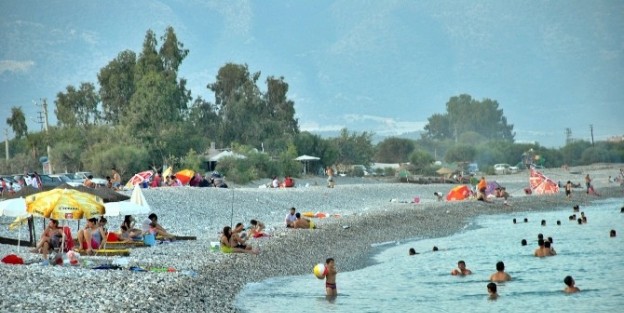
(491, 288)
(570, 285)
(500, 275)
(330, 279)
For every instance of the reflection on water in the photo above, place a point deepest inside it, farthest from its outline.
(398, 282)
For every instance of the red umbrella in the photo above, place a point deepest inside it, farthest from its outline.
(139, 178)
(185, 176)
(460, 192)
(541, 184)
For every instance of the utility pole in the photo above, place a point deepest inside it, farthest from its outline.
(568, 133)
(6, 142)
(591, 129)
(45, 112)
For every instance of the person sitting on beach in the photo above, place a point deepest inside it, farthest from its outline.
(330, 278)
(290, 218)
(491, 288)
(91, 237)
(303, 223)
(50, 239)
(129, 224)
(500, 275)
(275, 183)
(438, 195)
(89, 182)
(461, 269)
(109, 182)
(151, 226)
(116, 179)
(239, 237)
(227, 244)
(257, 229)
(288, 182)
(570, 287)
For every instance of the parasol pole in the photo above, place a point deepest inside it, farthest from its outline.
(232, 211)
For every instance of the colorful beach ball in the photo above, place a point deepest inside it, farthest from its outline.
(320, 271)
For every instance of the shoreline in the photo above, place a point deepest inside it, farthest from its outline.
(218, 278)
(355, 247)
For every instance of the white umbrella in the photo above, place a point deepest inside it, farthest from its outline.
(138, 197)
(125, 208)
(305, 159)
(15, 208)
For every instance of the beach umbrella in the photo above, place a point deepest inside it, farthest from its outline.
(138, 178)
(541, 184)
(185, 176)
(305, 159)
(125, 208)
(65, 204)
(460, 192)
(167, 172)
(15, 208)
(137, 197)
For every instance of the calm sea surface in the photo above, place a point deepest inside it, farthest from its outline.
(402, 283)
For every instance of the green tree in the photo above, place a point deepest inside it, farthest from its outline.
(17, 121)
(420, 160)
(77, 107)
(279, 108)
(572, 152)
(464, 114)
(191, 160)
(460, 153)
(354, 149)
(117, 85)
(394, 150)
(172, 52)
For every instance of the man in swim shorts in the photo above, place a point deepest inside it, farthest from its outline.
(330, 278)
(461, 269)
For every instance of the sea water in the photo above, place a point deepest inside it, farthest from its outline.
(398, 282)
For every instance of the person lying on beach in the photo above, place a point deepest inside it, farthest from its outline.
(461, 269)
(227, 244)
(92, 236)
(256, 230)
(290, 218)
(151, 226)
(570, 287)
(50, 239)
(303, 223)
(128, 235)
(129, 222)
(492, 294)
(500, 275)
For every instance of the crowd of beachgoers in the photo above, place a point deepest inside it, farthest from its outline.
(196, 275)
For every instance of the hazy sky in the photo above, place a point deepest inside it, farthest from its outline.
(380, 66)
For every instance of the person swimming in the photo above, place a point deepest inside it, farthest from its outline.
(570, 285)
(500, 275)
(412, 251)
(492, 294)
(461, 269)
(612, 233)
(543, 222)
(523, 242)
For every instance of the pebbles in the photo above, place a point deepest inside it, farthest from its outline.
(209, 281)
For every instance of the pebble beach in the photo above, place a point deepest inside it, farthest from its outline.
(190, 276)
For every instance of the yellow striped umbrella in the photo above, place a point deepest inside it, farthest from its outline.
(65, 204)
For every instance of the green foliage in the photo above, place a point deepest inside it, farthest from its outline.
(20, 163)
(117, 86)
(77, 107)
(464, 116)
(192, 160)
(354, 148)
(460, 153)
(128, 160)
(572, 152)
(17, 121)
(314, 145)
(389, 171)
(595, 155)
(420, 160)
(66, 157)
(394, 150)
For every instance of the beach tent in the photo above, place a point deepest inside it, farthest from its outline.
(305, 159)
(541, 184)
(491, 187)
(460, 192)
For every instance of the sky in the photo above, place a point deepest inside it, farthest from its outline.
(376, 66)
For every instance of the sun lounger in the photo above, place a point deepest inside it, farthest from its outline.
(106, 252)
(178, 238)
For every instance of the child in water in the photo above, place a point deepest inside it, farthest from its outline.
(330, 278)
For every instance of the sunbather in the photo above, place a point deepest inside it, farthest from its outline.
(151, 226)
(302, 222)
(129, 235)
(129, 223)
(227, 243)
(92, 236)
(257, 229)
(239, 237)
(50, 239)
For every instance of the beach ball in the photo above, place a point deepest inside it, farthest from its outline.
(320, 271)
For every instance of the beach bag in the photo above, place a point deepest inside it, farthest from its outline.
(149, 239)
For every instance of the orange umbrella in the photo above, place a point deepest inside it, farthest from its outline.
(185, 176)
(64, 204)
(460, 192)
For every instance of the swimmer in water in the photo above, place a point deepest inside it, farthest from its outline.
(491, 288)
(500, 275)
(461, 269)
(570, 287)
(330, 278)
